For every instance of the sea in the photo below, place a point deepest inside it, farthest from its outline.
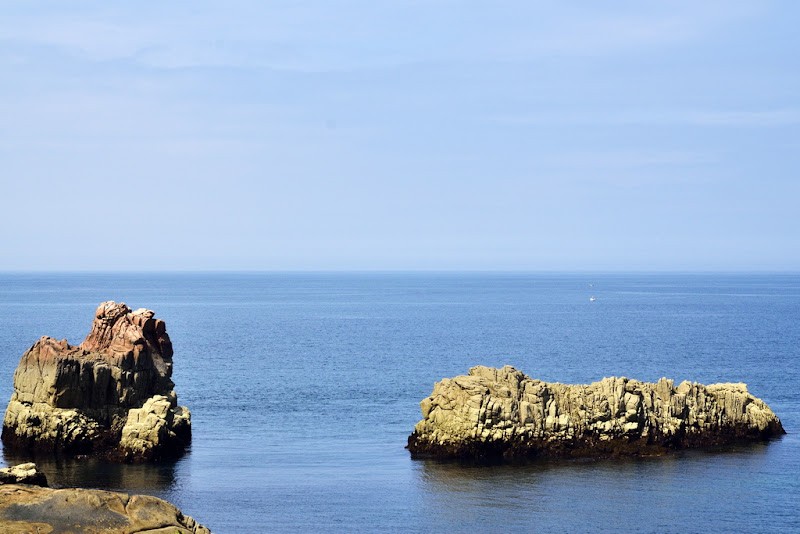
(304, 387)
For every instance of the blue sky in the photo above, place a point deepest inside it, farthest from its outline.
(400, 135)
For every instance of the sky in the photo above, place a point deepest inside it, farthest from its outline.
(400, 135)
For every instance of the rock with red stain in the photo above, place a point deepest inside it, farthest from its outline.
(90, 398)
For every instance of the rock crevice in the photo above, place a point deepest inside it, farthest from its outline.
(503, 413)
(111, 395)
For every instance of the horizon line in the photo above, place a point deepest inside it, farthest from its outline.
(399, 271)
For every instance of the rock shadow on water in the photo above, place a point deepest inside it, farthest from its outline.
(157, 478)
(634, 494)
(467, 475)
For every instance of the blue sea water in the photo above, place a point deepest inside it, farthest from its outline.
(304, 387)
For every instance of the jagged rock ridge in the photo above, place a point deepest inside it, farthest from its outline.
(502, 413)
(110, 395)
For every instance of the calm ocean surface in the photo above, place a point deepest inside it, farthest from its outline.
(304, 387)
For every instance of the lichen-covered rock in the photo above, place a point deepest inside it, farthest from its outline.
(85, 399)
(29, 509)
(502, 413)
(23, 474)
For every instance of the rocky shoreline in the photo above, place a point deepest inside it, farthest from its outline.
(503, 414)
(27, 506)
(110, 396)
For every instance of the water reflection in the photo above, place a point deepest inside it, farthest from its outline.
(583, 495)
(94, 473)
(459, 476)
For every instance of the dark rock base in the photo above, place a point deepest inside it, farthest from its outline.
(104, 446)
(494, 451)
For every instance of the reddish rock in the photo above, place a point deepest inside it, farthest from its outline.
(111, 395)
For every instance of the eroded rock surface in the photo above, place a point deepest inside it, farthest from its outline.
(31, 509)
(111, 395)
(503, 413)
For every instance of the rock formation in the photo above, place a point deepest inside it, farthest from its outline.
(502, 413)
(30, 509)
(111, 395)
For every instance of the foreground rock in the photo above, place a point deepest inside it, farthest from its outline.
(111, 395)
(502, 413)
(30, 509)
(23, 474)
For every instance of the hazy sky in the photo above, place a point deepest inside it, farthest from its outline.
(400, 135)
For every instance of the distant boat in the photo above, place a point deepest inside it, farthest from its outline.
(591, 299)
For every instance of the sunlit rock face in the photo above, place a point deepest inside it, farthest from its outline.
(502, 413)
(112, 395)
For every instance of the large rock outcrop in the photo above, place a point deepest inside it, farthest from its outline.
(28, 509)
(111, 395)
(502, 413)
